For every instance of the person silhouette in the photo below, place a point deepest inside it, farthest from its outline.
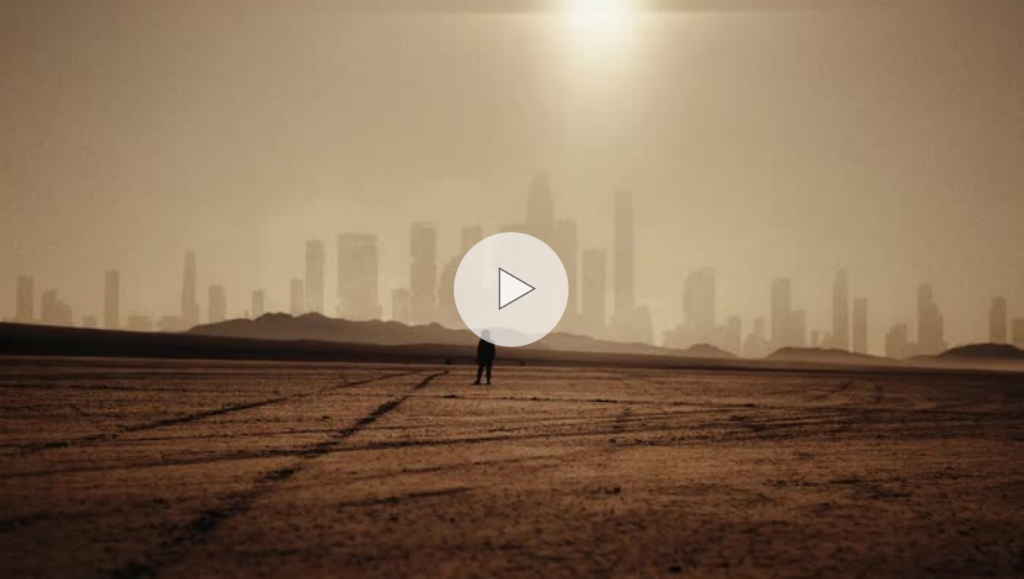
(485, 351)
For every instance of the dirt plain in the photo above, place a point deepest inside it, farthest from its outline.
(120, 469)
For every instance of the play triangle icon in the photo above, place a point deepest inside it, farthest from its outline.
(511, 288)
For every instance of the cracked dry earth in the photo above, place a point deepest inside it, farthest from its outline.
(122, 469)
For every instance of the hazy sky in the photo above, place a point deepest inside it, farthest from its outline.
(883, 137)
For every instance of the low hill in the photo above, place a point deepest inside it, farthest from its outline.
(829, 356)
(997, 351)
(316, 327)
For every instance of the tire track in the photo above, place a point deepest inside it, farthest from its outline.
(198, 531)
(197, 416)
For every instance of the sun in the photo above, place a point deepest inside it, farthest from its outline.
(597, 26)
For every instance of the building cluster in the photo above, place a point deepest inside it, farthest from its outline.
(602, 300)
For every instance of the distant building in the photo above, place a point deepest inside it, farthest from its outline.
(756, 344)
(595, 293)
(1018, 333)
(860, 325)
(471, 236)
(625, 269)
(89, 321)
(218, 304)
(815, 339)
(316, 260)
(189, 302)
(930, 323)
(566, 247)
(297, 298)
(997, 316)
(841, 312)
(401, 306)
(897, 343)
(139, 323)
(112, 300)
(782, 313)
(423, 272)
(732, 340)
(540, 210)
(358, 277)
(258, 304)
(24, 301)
(447, 311)
(798, 329)
(54, 311)
(169, 324)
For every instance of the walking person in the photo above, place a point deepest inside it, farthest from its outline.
(485, 352)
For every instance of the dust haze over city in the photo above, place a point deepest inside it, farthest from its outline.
(758, 308)
(790, 141)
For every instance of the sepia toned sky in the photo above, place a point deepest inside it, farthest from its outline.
(765, 139)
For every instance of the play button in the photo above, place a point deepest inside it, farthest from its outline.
(511, 288)
(523, 302)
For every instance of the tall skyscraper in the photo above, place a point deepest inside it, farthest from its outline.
(218, 304)
(358, 277)
(316, 260)
(997, 316)
(423, 272)
(189, 303)
(24, 301)
(595, 292)
(930, 323)
(112, 300)
(1018, 333)
(257, 309)
(297, 298)
(540, 210)
(841, 312)
(566, 246)
(782, 313)
(401, 306)
(699, 305)
(860, 325)
(625, 272)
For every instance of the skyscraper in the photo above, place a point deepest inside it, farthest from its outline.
(54, 312)
(24, 306)
(297, 297)
(699, 305)
(732, 340)
(930, 323)
(189, 303)
(798, 329)
(423, 272)
(997, 321)
(358, 277)
(756, 344)
(782, 313)
(540, 210)
(624, 247)
(316, 260)
(1018, 332)
(841, 312)
(401, 306)
(218, 304)
(595, 292)
(897, 342)
(258, 299)
(566, 246)
(447, 310)
(112, 300)
(860, 325)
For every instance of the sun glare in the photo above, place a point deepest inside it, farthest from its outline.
(598, 26)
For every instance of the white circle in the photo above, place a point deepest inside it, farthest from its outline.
(525, 315)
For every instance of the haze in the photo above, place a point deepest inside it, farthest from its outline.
(884, 138)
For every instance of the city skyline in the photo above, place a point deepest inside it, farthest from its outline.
(429, 300)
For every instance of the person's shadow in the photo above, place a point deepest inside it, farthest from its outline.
(485, 352)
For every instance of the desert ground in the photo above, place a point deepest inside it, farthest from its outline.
(120, 469)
